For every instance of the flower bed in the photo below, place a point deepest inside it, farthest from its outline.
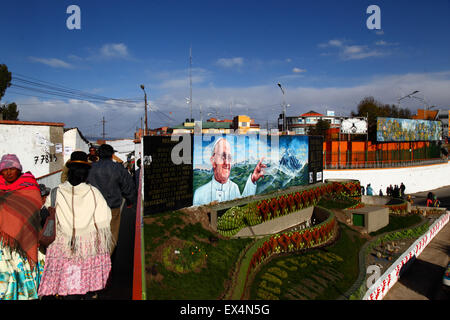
(256, 212)
(294, 241)
(401, 208)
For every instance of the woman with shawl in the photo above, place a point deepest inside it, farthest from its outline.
(20, 202)
(78, 262)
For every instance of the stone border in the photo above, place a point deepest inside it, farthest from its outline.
(359, 283)
(390, 277)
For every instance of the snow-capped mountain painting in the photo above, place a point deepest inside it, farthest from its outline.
(286, 158)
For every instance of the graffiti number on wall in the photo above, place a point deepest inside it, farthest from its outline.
(45, 158)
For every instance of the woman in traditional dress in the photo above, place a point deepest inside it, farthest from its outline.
(21, 263)
(78, 263)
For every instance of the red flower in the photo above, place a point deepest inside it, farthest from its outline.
(284, 241)
(274, 206)
(282, 204)
(263, 209)
(298, 200)
(305, 198)
(273, 243)
(323, 231)
(307, 236)
(316, 234)
(266, 248)
(296, 239)
(329, 188)
(258, 254)
(291, 202)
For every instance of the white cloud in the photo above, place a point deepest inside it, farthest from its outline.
(260, 102)
(230, 62)
(352, 52)
(298, 70)
(180, 78)
(52, 62)
(114, 50)
(264, 102)
(381, 43)
(384, 43)
(331, 43)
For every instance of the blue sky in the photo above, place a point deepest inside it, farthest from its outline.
(321, 52)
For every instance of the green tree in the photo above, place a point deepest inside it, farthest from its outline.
(320, 129)
(10, 111)
(5, 79)
(371, 108)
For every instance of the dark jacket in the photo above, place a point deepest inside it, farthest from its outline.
(113, 181)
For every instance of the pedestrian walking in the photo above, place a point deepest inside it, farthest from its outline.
(362, 190)
(402, 190)
(436, 202)
(44, 212)
(369, 190)
(115, 183)
(21, 263)
(396, 192)
(78, 262)
(137, 174)
(93, 155)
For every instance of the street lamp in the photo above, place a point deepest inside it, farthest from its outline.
(145, 95)
(284, 108)
(407, 96)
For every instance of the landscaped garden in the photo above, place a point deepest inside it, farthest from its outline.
(187, 259)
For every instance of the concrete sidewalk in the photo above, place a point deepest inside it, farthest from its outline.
(423, 279)
(121, 287)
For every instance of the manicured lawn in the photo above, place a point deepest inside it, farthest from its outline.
(397, 222)
(206, 280)
(330, 203)
(319, 274)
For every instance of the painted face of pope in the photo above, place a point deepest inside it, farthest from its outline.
(221, 161)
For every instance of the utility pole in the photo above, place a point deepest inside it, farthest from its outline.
(145, 97)
(284, 108)
(103, 123)
(190, 80)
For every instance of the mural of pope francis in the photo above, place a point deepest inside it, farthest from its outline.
(221, 188)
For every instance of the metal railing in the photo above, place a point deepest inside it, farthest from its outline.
(382, 158)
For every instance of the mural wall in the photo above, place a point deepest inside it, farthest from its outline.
(199, 169)
(233, 166)
(393, 129)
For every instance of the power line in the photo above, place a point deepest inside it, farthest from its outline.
(48, 88)
(57, 87)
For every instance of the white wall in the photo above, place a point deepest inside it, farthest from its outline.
(72, 142)
(416, 179)
(33, 145)
(137, 150)
(123, 147)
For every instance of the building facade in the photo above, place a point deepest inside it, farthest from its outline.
(302, 123)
